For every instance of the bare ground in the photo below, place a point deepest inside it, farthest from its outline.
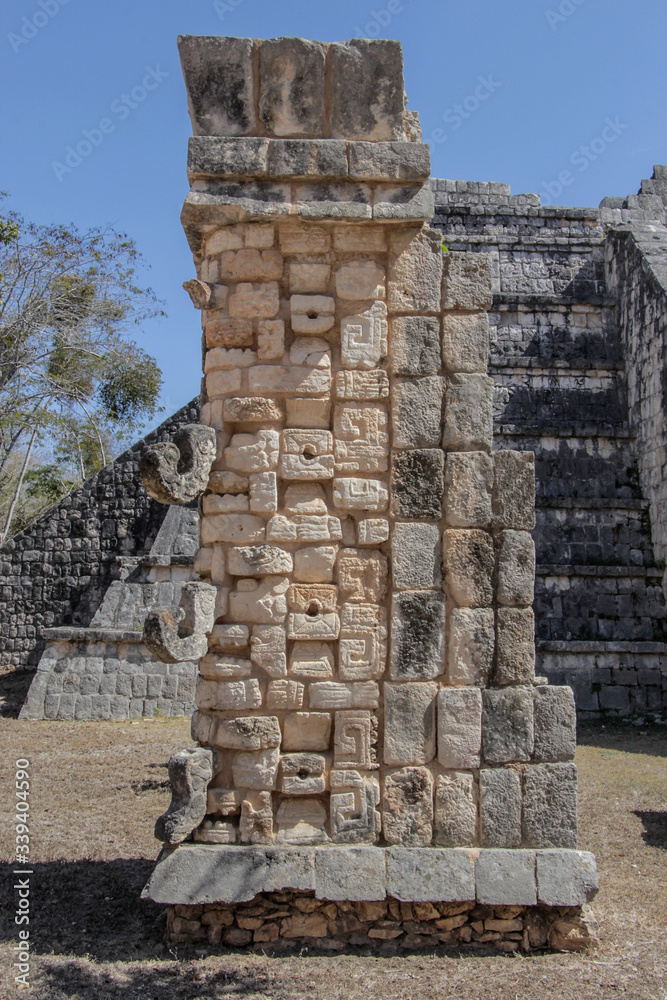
(96, 789)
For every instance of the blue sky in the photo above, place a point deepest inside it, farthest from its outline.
(531, 92)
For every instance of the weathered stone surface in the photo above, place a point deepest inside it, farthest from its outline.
(468, 485)
(360, 279)
(364, 337)
(407, 807)
(355, 493)
(256, 770)
(284, 695)
(263, 489)
(515, 646)
(455, 810)
(361, 437)
(362, 385)
(230, 358)
(407, 201)
(566, 878)
(312, 351)
(331, 694)
(307, 157)
(304, 528)
(232, 528)
(416, 409)
(248, 302)
(248, 733)
(259, 560)
(270, 339)
(223, 695)
(353, 740)
(468, 413)
(311, 659)
(228, 332)
(256, 821)
(307, 454)
(516, 568)
(469, 562)
(389, 161)
(470, 646)
(362, 646)
(417, 483)
(268, 649)
(219, 80)
(291, 98)
(253, 409)
(514, 490)
(415, 556)
(550, 805)
(415, 345)
(253, 452)
(500, 807)
(372, 108)
(353, 809)
(178, 471)
(308, 278)
(506, 878)
(308, 413)
(465, 342)
(303, 774)
(222, 156)
(181, 635)
(409, 723)
(417, 635)
(362, 575)
(365, 238)
(415, 270)
(189, 774)
(285, 380)
(250, 265)
(507, 725)
(307, 731)
(350, 873)
(314, 564)
(372, 531)
(414, 875)
(467, 281)
(265, 604)
(555, 724)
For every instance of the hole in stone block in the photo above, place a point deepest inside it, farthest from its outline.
(313, 609)
(312, 314)
(309, 453)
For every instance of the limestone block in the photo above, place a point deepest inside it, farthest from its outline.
(417, 483)
(301, 821)
(354, 238)
(189, 774)
(284, 694)
(265, 604)
(177, 471)
(248, 733)
(228, 108)
(507, 725)
(231, 528)
(308, 413)
(228, 333)
(251, 409)
(259, 235)
(514, 490)
(409, 723)
(360, 494)
(308, 278)
(303, 774)
(216, 156)
(256, 770)
(468, 413)
(307, 731)
(227, 237)
(248, 302)
(227, 482)
(225, 801)
(268, 649)
(222, 695)
(291, 97)
(416, 410)
(360, 279)
(353, 740)
(307, 454)
(467, 281)
(407, 807)
(350, 873)
(516, 568)
(311, 660)
(259, 560)
(465, 342)
(253, 452)
(311, 314)
(221, 383)
(417, 635)
(555, 724)
(372, 531)
(250, 265)
(415, 270)
(362, 575)
(312, 351)
(354, 817)
(469, 563)
(308, 157)
(312, 598)
(566, 878)
(229, 357)
(500, 807)
(334, 695)
(506, 878)
(270, 339)
(362, 646)
(263, 487)
(459, 727)
(333, 201)
(550, 805)
(179, 635)
(367, 90)
(305, 498)
(436, 874)
(470, 646)
(256, 822)
(515, 646)
(362, 385)
(415, 556)
(389, 161)
(361, 438)
(296, 238)
(229, 638)
(415, 345)
(455, 810)
(304, 528)
(364, 337)
(314, 564)
(286, 380)
(468, 485)
(226, 504)
(307, 626)
(404, 202)
(220, 666)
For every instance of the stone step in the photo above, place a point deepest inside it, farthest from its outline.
(556, 367)
(579, 536)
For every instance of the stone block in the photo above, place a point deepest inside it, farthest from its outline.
(263, 489)
(219, 80)
(350, 873)
(361, 437)
(514, 490)
(417, 635)
(415, 271)
(436, 875)
(409, 723)
(515, 646)
(284, 695)
(415, 556)
(362, 385)
(417, 483)
(500, 807)
(354, 740)
(314, 564)
(217, 156)
(304, 528)
(228, 333)
(313, 660)
(555, 724)
(566, 878)
(306, 157)
(372, 531)
(354, 817)
(221, 383)
(367, 79)
(354, 493)
(360, 279)
(407, 807)
(289, 380)
(312, 351)
(455, 810)
(265, 604)
(251, 409)
(291, 96)
(389, 161)
(416, 409)
(470, 646)
(258, 560)
(223, 695)
(270, 339)
(268, 649)
(468, 413)
(415, 345)
(334, 695)
(506, 878)
(362, 646)
(303, 774)
(362, 575)
(467, 281)
(550, 805)
(507, 725)
(253, 452)
(307, 454)
(229, 357)
(407, 202)
(469, 562)
(250, 265)
(247, 733)
(468, 485)
(308, 413)
(255, 303)
(459, 727)
(465, 342)
(309, 278)
(364, 337)
(307, 731)
(364, 238)
(516, 568)
(256, 769)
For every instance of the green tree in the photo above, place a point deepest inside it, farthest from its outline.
(73, 383)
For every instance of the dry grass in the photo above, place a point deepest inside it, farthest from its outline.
(96, 789)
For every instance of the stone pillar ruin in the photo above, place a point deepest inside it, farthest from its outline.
(369, 725)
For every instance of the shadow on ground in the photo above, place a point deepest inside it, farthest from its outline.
(14, 686)
(655, 827)
(624, 736)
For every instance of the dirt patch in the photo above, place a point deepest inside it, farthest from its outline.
(96, 789)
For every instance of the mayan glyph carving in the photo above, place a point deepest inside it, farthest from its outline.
(177, 471)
